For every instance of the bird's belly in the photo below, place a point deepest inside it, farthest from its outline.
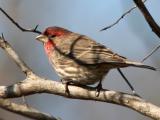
(80, 74)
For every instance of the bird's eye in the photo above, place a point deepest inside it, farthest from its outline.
(51, 36)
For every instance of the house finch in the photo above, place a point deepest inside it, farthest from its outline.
(79, 59)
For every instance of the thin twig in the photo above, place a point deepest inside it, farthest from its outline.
(121, 17)
(153, 51)
(34, 30)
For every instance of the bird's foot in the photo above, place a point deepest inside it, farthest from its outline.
(135, 94)
(66, 83)
(98, 89)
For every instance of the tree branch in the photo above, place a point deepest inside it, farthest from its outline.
(24, 110)
(120, 18)
(39, 85)
(34, 30)
(151, 22)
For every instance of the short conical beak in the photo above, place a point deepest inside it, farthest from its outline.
(42, 38)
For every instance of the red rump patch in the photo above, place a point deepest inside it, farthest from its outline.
(49, 47)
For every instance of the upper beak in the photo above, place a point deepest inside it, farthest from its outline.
(42, 38)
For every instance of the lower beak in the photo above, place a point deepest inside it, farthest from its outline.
(42, 38)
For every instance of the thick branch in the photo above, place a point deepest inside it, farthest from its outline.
(30, 86)
(154, 26)
(24, 110)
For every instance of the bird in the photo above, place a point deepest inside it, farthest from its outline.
(80, 60)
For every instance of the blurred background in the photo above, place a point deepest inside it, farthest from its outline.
(131, 38)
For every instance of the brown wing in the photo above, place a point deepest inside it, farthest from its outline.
(86, 50)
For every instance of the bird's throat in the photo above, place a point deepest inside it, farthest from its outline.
(49, 47)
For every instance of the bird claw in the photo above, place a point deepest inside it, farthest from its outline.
(98, 89)
(66, 89)
(135, 94)
(66, 83)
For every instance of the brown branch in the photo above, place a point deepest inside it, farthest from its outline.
(151, 22)
(34, 30)
(30, 86)
(120, 18)
(24, 110)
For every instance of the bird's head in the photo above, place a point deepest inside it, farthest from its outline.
(50, 33)
(48, 36)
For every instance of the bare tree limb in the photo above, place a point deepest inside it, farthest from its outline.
(34, 30)
(40, 85)
(24, 110)
(120, 18)
(151, 22)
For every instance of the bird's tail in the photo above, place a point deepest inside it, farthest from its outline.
(140, 65)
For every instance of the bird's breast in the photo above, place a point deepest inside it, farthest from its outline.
(49, 47)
